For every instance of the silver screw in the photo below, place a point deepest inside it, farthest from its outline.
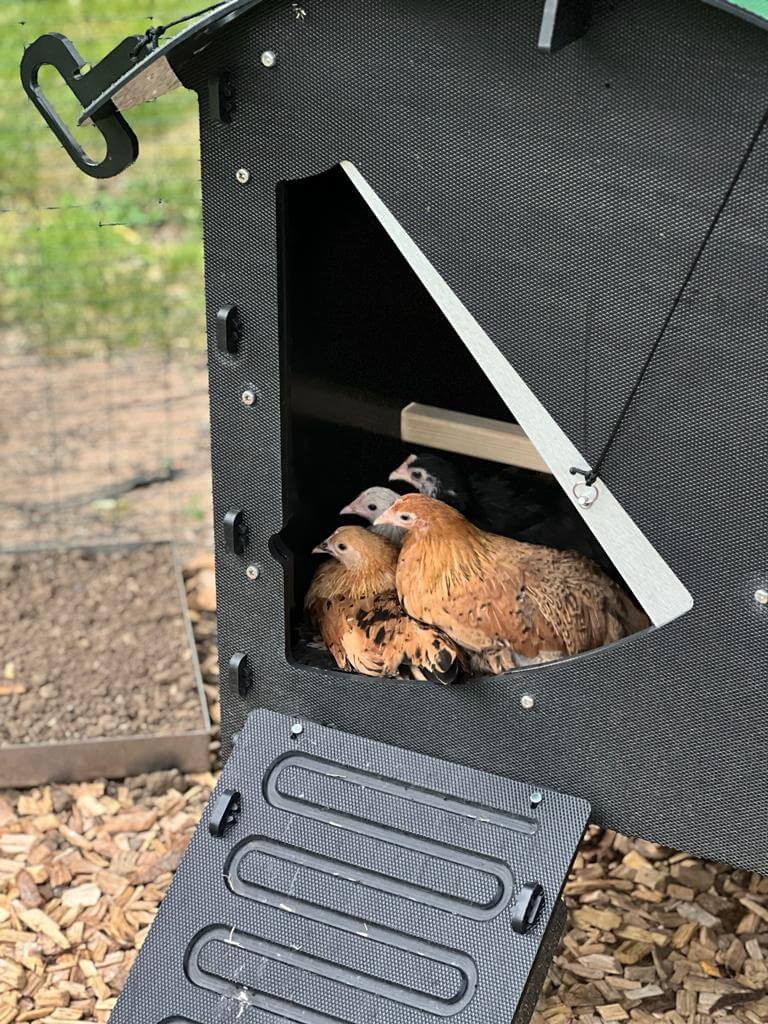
(269, 58)
(297, 729)
(252, 572)
(248, 397)
(243, 175)
(536, 797)
(527, 702)
(761, 596)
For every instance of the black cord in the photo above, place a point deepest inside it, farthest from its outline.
(152, 36)
(590, 475)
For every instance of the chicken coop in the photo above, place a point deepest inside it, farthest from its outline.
(528, 241)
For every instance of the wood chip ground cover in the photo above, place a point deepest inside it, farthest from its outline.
(653, 935)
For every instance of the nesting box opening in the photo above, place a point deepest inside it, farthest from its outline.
(381, 394)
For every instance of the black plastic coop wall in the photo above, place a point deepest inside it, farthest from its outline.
(562, 199)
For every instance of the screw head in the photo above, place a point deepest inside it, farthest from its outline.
(248, 397)
(297, 729)
(761, 596)
(252, 572)
(243, 175)
(269, 58)
(536, 797)
(527, 702)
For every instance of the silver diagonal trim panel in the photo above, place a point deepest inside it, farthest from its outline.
(653, 583)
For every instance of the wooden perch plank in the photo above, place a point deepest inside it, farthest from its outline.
(459, 432)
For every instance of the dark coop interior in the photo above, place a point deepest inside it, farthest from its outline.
(361, 340)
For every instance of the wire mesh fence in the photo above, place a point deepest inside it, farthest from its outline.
(103, 389)
(103, 403)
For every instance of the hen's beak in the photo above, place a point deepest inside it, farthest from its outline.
(403, 472)
(386, 518)
(321, 549)
(350, 509)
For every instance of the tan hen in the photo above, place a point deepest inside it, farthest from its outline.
(353, 601)
(507, 603)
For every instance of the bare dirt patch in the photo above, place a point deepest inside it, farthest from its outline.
(93, 645)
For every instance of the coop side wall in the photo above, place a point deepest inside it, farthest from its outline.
(561, 199)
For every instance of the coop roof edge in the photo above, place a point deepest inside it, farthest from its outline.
(124, 92)
(123, 97)
(133, 81)
(753, 11)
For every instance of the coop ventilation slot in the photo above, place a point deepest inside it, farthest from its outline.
(379, 350)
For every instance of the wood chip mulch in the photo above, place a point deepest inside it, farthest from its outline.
(82, 871)
(653, 935)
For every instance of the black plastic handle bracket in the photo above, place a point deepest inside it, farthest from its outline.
(527, 907)
(229, 329)
(235, 531)
(224, 812)
(57, 51)
(240, 676)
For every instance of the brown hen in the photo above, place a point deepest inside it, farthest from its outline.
(507, 603)
(353, 601)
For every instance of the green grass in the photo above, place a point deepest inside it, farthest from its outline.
(91, 264)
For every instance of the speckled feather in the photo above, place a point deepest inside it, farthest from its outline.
(519, 503)
(359, 616)
(506, 602)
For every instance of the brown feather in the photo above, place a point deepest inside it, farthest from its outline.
(506, 602)
(356, 608)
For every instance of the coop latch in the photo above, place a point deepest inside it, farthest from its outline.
(55, 50)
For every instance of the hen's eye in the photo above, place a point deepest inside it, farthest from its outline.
(405, 517)
(342, 547)
(417, 474)
(371, 508)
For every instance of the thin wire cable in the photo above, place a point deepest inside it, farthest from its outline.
(153, 35)
(591, 475)
(197, 14)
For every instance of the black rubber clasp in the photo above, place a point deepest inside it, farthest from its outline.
(239, 672)
(221, 98)
(527, 907)
(57, 51)
(235, 531)
(224, 812)
(229, 329)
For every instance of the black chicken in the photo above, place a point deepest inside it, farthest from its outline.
(517, 503)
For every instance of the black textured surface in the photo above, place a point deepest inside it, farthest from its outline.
(333, 913)
(562, 199)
